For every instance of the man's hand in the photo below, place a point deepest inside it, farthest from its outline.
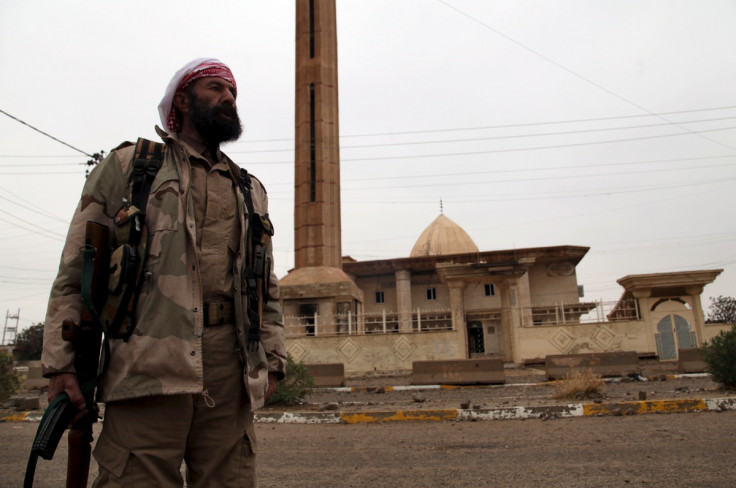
(272, 380)
(67, 382)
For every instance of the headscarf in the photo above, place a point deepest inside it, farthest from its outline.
(192, 71)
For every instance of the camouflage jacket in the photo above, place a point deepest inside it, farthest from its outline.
(164, 354)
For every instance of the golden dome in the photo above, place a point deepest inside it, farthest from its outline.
(443, 236)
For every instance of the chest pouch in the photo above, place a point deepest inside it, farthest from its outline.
(257, 270)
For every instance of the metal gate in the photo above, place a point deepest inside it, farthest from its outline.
(673, 333)
(475, 338)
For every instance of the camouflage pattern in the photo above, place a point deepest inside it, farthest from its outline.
(164, 354)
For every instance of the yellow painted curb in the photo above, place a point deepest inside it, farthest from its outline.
(398, 416)
(654, 406)
(16, 417)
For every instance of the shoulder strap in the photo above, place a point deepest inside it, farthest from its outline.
(146, 163)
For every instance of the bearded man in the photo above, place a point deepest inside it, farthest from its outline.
(183, 384)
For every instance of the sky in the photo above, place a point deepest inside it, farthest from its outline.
(610, 125)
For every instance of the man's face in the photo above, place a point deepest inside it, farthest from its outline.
(213, 113)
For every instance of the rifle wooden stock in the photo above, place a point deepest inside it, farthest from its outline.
(86, 338)
(80, 451)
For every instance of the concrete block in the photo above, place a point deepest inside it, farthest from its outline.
(459, 372)
(327, 375)
(601, 363)
(690, 361)
(21, 402)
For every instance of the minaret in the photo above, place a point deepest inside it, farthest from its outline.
(317, 284)
(317, 238)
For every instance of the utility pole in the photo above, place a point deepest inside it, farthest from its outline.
(10, 330)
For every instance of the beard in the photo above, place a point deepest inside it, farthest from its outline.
(216, 123)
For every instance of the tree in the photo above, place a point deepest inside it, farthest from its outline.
(720, 356)
(9, 379)
(29, 343)
(722, 310)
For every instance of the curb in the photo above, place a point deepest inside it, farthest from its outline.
(457, 414)
(506, 413)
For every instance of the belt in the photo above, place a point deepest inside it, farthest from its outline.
(217, 313)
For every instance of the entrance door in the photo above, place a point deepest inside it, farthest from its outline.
(673, 333)
(476, 346)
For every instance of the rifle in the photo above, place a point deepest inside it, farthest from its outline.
(86, 337)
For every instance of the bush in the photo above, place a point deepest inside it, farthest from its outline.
(297, 384)
(9, 379)
(720, 356)
(29, 343)
(579, 386)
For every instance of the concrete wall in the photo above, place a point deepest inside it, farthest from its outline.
(376, 353)
(394, 353)
(475, 298)
(538, 342)
(712, 330)
(551, 283)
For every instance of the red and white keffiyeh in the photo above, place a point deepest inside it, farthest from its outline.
(192, 71)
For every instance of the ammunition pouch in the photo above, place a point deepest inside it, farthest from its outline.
(257, 270)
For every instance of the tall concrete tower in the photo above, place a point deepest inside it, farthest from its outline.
(317, 154)
(317, 284)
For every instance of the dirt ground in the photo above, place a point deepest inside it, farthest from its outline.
(667, 450)
(654, 450)
(524, 387)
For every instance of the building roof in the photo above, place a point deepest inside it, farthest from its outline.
(442, 237)
(550, 254)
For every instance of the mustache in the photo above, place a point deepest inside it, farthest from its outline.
(227, 110)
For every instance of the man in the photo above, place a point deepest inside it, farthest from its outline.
(184, 385)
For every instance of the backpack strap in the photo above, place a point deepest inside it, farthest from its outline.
(147, 161)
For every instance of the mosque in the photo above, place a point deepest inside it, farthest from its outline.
(447, 299)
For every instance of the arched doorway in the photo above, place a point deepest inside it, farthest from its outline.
(673, 333)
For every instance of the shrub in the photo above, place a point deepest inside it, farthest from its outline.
(580, 385)
(720, 356)
(29, 343)
(9, 379)
(297, 384)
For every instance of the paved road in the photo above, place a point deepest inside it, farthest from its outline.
(657, 450)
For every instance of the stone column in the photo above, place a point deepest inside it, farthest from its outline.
(457, 305)
(524, 300)
(403, 299)
(509, 317)
(698, 316)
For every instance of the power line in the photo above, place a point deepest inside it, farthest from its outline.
(568, 70)
(47, 135)
(506, 126)
(489, 138)
(517, 149)
(559, 168)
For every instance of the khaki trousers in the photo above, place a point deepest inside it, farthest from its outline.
(145, 440)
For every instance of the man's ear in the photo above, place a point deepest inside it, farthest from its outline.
(181, 102)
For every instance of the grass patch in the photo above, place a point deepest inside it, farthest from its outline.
(579, 386)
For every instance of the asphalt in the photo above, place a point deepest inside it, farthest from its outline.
(552, 411)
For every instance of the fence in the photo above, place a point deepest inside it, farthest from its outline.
(375, 323)
(388, 322)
